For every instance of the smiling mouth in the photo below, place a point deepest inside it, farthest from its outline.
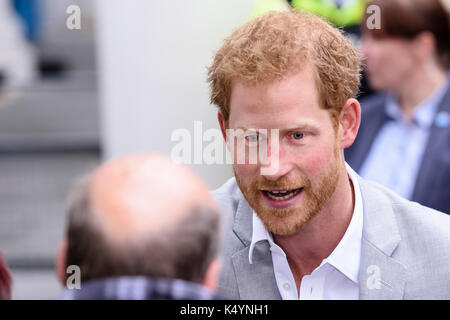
(280, 195)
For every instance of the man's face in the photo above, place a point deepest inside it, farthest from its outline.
(389, 61)
(308, 154)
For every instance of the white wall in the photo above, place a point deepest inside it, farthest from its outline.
(152, 58)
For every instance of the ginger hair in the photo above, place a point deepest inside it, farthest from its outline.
(276, 44)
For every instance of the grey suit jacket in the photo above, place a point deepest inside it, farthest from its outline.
(405, 246)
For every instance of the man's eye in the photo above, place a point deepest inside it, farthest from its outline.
(252, 138)
(297, 135)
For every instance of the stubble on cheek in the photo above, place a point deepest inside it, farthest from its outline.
(286, 221)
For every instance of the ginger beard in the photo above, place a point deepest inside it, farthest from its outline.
(287, 221)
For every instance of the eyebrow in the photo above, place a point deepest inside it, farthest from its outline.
(299, 126)
(303, 126)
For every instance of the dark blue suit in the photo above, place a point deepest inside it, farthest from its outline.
(432, 185)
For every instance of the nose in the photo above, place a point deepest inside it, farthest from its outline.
(277, 165)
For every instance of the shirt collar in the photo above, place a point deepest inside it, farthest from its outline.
(424, 113)
(346, 256)
(259, 233)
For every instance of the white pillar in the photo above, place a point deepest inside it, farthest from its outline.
(152, 58)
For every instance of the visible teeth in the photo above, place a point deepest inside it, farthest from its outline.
(279, 191)
(287, 196)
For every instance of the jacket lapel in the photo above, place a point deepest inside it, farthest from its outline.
(257, 280)
(437, 142)
(380, 275)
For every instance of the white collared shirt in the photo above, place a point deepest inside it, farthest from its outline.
(336, 277)
(396, 153)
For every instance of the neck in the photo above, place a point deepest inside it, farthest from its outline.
(314, 242)
(418, 87)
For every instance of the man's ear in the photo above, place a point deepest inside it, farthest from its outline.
(349, 121)
(211, 275)
(222, 124)
(424, 45)
(61, 262)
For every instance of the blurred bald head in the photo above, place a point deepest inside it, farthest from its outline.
(135, 195)
(142, 215)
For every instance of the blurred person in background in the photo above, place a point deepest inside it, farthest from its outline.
(5, 280)
(141, 227)
(404, 138)
(17, 55)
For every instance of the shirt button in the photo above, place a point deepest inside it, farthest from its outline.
(287, 286)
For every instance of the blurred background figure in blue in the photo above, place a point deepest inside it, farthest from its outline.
(18, 56)
(404, 137)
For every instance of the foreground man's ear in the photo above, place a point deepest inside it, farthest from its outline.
(211, 275)
(61, 262)
(221, 120)
(349, 121)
